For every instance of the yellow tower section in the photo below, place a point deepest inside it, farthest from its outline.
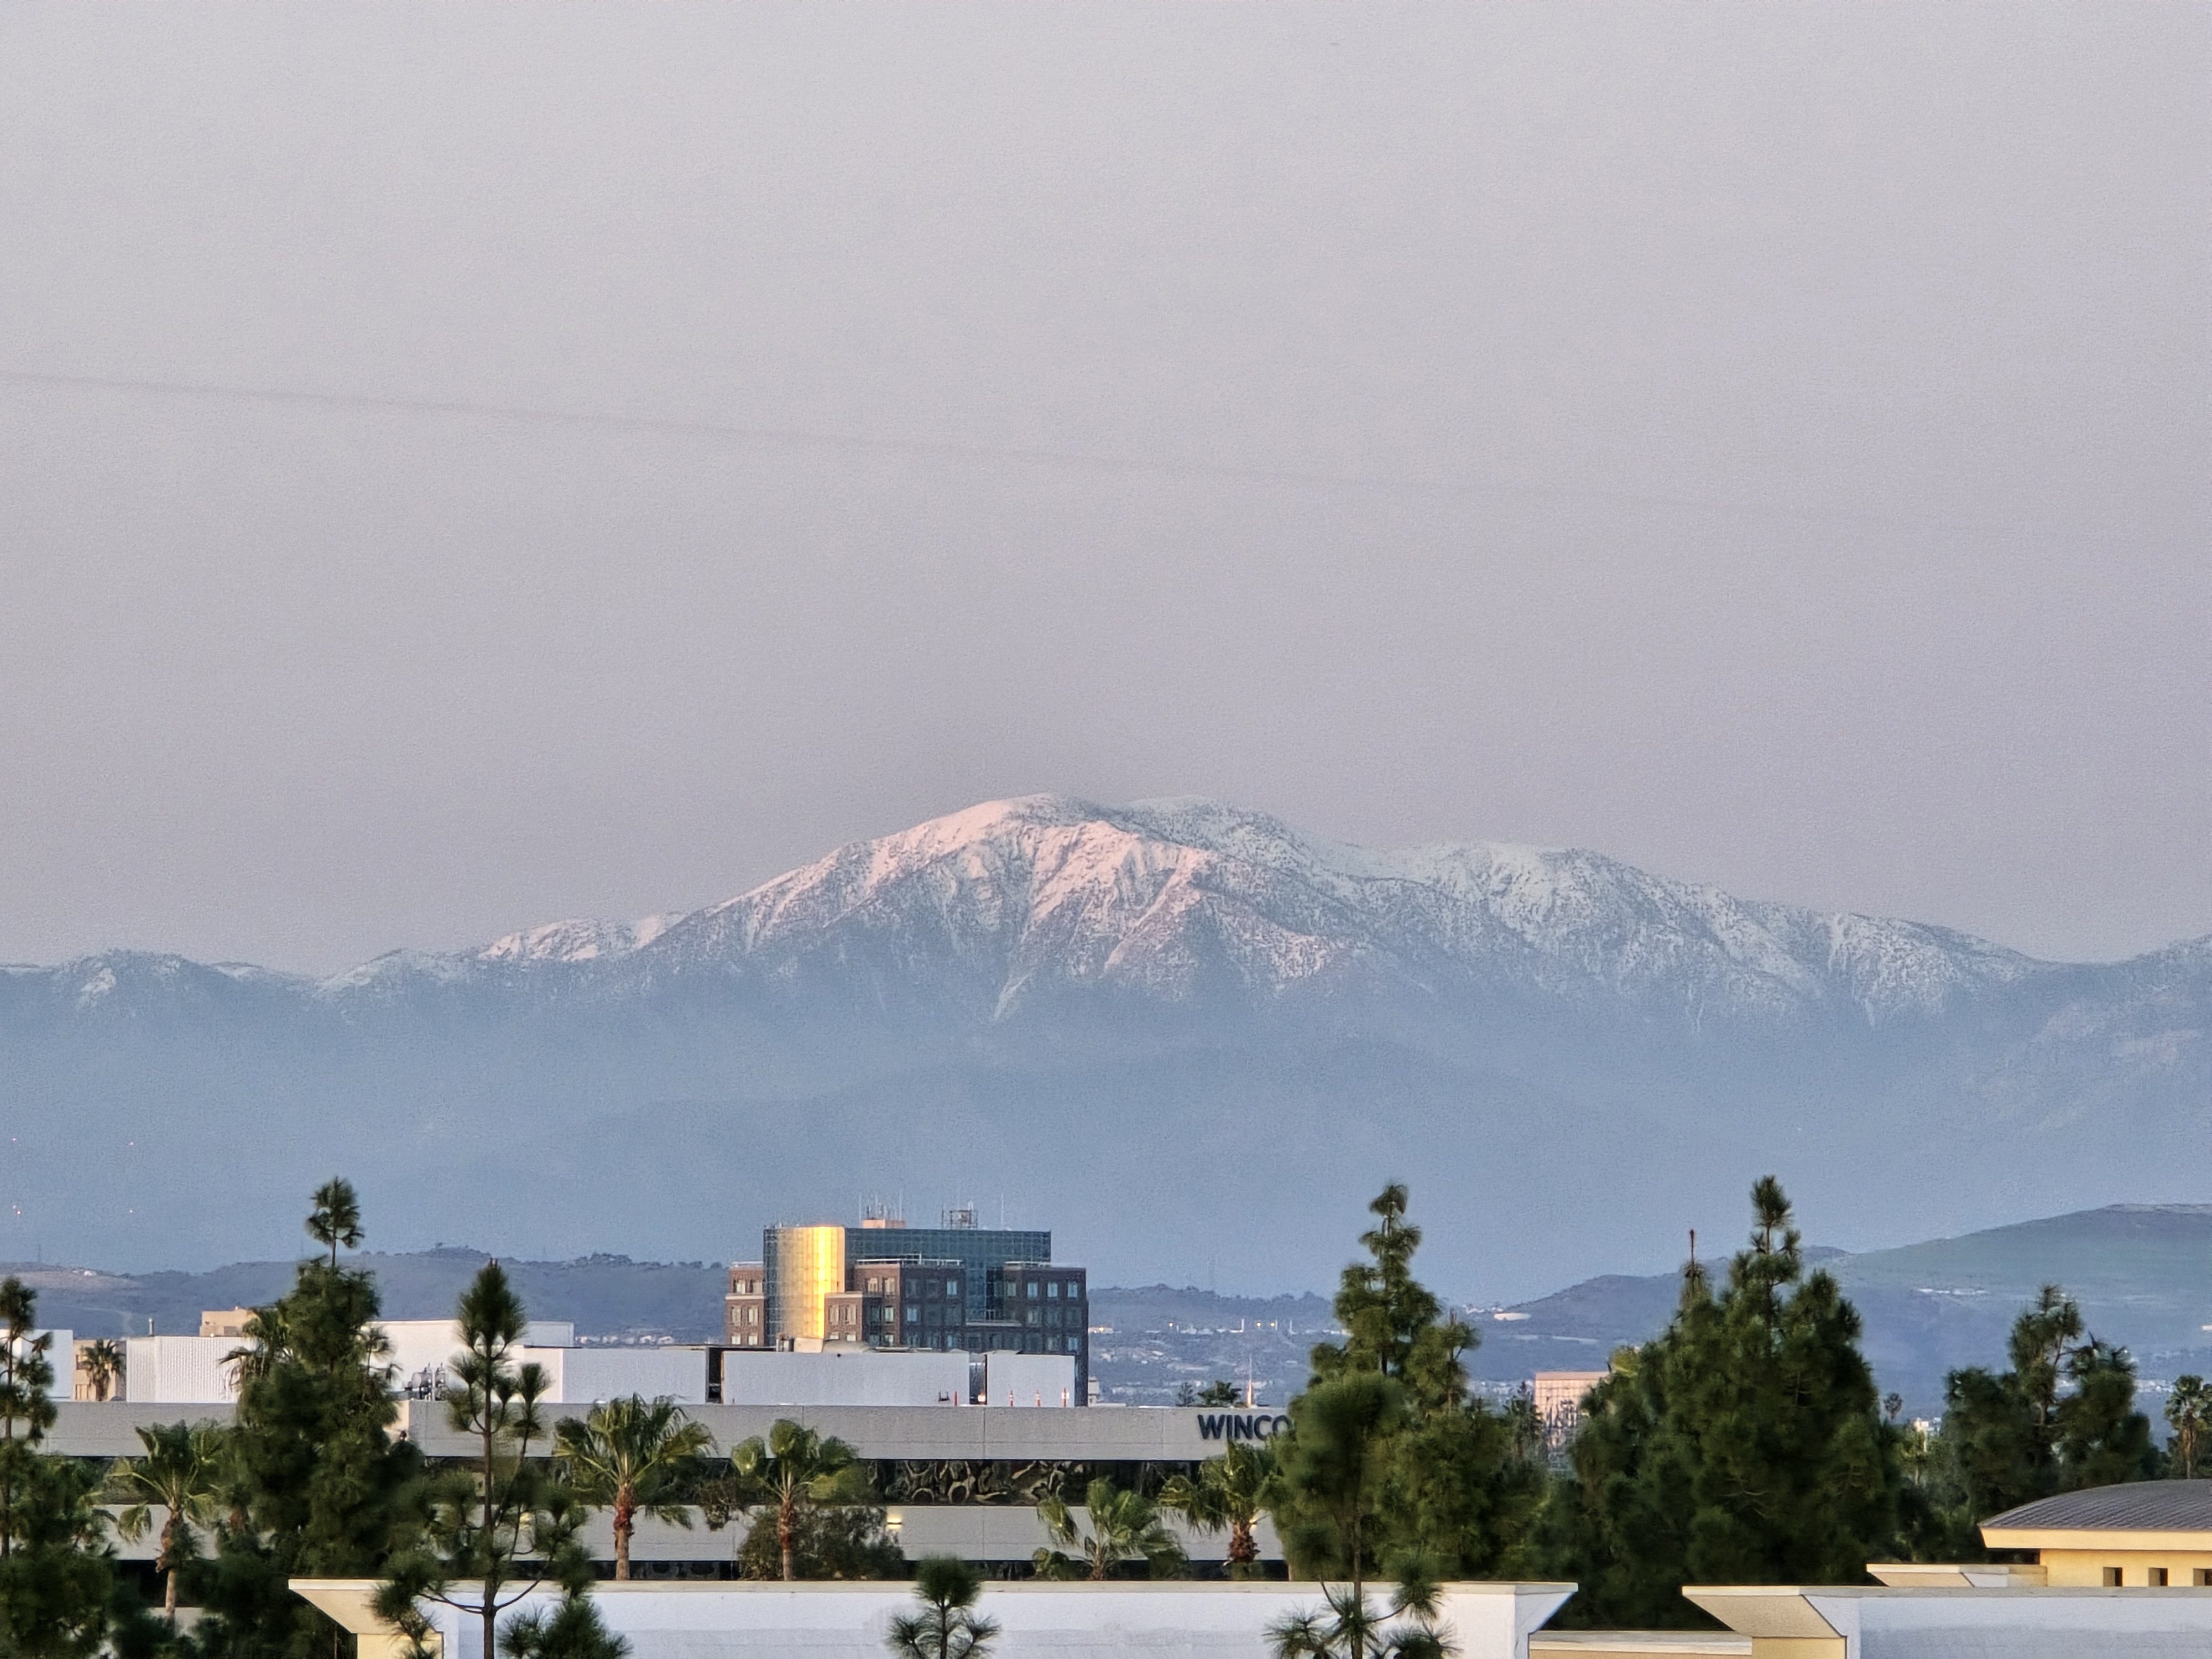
(809, 1267)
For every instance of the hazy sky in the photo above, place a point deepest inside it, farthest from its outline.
(1769, 444)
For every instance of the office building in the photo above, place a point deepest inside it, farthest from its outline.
(957, 1287)
(1558, 1400)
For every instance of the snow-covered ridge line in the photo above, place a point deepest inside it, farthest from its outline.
(1177, 898)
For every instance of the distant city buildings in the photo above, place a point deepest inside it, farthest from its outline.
(957, 1287)
(1559, 1399)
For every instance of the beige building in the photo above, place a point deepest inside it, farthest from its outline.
(2148, 1534)
(224, 1321)
(1558, 1396)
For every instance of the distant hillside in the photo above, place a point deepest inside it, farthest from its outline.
(606, 1297)
(2142, 1273)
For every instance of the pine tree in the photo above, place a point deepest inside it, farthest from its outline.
(1457, 1489)
(947, 1627)
(1744, 1445)
(2102, 1438)
(26, 1411)
(493, 1532)
(2063, 1417)
(312, 1482)
(55, 1577)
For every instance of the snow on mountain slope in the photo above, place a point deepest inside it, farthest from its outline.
(1191, 900)
(1174, 898)
(1175, 999)
(577, 941)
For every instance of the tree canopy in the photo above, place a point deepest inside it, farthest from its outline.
(1744, 1445)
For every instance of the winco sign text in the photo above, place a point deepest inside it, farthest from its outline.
(1228, 1425)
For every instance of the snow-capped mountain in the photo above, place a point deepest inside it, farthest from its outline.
(1044, 994)
(1182, 899)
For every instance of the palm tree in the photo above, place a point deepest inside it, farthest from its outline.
(1123, 1525)
(2189, 1410)
(947, 1588)
(179, 1472)
(793, 1467)
(103, 1366)
(625, 1456)
(1230, 1492)
(336, 1218)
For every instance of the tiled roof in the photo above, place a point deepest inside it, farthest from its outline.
(2138, 1506)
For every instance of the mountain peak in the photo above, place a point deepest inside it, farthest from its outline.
(1142, 1014)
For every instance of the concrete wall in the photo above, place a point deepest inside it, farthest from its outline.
(2086, 1567)
(1067, 1621)
(1030, 1379)
(977, 1434)
(582, 1377)
(421, 1345)
(102, 1430)
(1140, 1434)
(855, 1377)
(179, 1370)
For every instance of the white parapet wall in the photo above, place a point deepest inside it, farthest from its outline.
(1030, 1379)
(1186, 1618)
(584, 1377)
(1812, 1621)
(180, 1370)
(421, 1347)
(856, 1377)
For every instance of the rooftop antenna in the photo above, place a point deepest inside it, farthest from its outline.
(1693, 1249)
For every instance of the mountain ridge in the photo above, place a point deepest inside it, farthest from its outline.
(1041, 985)
(1523, 887)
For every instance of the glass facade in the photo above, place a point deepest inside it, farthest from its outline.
(805, 1266)
(987, 1290)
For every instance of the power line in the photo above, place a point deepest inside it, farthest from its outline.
(804, 438)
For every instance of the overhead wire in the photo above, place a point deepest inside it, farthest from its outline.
(940, 449)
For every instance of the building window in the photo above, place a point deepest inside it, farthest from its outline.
(2158, 1577)
(1053, 1289)
(2202, 1577)
(1033, 1290)
(2112, 1577)
(952, 1287)
(1033, 1315)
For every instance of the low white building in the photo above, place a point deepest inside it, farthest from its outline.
(179, 1370)
(420, 1348)
(1029, 1379)
(584, 1377)
(845, 1376)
